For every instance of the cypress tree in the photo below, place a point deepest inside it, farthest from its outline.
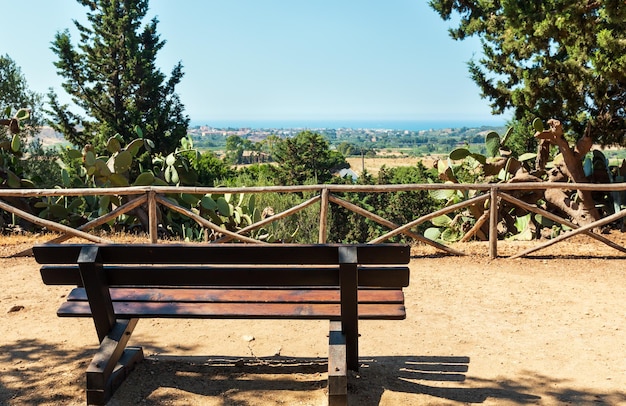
(111, 75)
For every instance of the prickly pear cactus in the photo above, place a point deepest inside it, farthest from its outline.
(11, 151)
(176, 168)
(113, 171)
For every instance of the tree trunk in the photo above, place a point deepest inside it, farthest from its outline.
(581, 210)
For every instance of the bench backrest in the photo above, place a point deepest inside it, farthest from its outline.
(228, 264)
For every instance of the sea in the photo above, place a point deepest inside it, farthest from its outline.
(410, 125)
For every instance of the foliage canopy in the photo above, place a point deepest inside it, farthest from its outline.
(15, 95)
(305, 157)
(551, 59)
(112, 76)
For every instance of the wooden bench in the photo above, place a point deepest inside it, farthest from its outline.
(117, 284)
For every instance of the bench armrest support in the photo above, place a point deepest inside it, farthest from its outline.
(97, 289)
(348, 280)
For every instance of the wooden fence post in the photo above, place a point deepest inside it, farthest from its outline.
(323, 233)
(152, 215)
(493, 223)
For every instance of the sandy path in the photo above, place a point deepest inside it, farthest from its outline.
(547, 331)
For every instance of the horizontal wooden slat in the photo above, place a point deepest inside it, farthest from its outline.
(397, 276)
(235, 310)
(232, 280)
(241, 295)
(317, 254)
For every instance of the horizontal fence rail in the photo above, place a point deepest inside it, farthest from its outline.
(492, 195)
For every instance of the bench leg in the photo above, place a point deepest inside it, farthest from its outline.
(112, 363)
(337, 366)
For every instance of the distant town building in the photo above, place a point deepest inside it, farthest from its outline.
(348, 172)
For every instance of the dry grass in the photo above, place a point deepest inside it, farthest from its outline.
(373, 165)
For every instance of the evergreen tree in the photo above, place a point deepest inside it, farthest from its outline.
(558, 59)
(112, 76)
(235, 146)
(15, 95)
(306, 157)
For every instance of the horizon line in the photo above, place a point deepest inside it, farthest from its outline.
(389, 124)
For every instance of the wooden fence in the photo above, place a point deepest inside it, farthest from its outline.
(151, 196)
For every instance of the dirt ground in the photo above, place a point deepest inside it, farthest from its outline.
(545, 330)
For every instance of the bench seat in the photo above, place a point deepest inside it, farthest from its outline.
(238, 304)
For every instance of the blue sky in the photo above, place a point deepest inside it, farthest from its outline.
(284, 59)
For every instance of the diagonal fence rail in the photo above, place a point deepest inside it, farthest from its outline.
(489, 195)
